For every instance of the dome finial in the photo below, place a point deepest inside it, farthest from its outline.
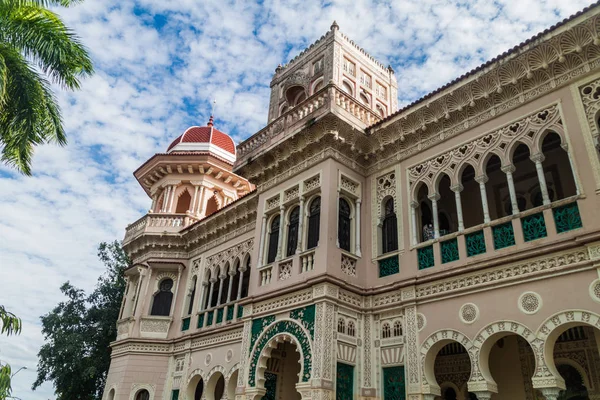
(211, 121)
(334, 26)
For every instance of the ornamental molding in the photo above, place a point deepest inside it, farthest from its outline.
(595, 290)
(392, 355)
(529, 130)
(502, 274)
(229, 255)
(141, 348)
(529, 302)
(217, 339)
(273, 305)
(346, 353)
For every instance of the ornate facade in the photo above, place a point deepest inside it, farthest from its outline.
(350, 250)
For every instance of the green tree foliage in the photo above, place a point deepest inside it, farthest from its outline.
(36, 49)
(10, 325)
(78, 331)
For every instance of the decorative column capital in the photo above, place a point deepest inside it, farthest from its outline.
(282, 208)
(222, 276)
(481, 179)
(358, 201)
(414, 204)
(302, 198)
(434, 197)
(539, 157)
(457, 188)
(508, 169)
(213, 279)
(205, 283)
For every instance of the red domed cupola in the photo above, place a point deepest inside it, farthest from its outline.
(205, 139)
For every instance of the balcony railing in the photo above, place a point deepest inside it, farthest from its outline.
(158, 223)
(525, 227)
(330, 98)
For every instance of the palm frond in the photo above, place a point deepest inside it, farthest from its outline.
(41, 35)
(44, 3)
(30, 115)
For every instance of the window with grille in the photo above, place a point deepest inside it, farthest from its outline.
(292, 237)
(389, 232)
(273, 240)
(314, 223)
(344, 225)
(163, 299)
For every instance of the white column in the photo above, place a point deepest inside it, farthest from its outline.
(434, 206)
(193, 205)
(300, 245)
(221, 279)
(240, 283)
(508, 170)
(261, 245)
(210, 294)
(172, 202)
(180, 269)
(572, 164)
(413, 214)
(165, 195)
(154, 200)
(204, 294)
(482, 179)
(198, 209)
(281, 228)
(145, 310)
(337, 219)
(230, 286)
(538, 159)
(357, 228)
(138, 290)
(457, 189)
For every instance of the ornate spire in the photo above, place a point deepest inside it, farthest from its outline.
(334, 26)
(211, 121)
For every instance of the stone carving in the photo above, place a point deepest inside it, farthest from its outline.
(530, 302)
(230, 255)
(348, 265)
(412, 328)
(595, 290)
(468, 313)
(291, 193)
(500, 142)
(273, 203)
(283, 301)
(501, 274)
(349, 185)
(155, 324)
(590, 97)
(346, 353)
(312, 183)
(392, 355)
(285, 270)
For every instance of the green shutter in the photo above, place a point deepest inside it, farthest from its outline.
(394, 384)
(344, 386)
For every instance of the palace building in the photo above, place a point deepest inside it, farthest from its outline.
(353, 250)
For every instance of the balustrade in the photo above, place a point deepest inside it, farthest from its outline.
(500, 234)
(307, 261)
(158, 223)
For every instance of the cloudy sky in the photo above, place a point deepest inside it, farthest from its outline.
(159, 64)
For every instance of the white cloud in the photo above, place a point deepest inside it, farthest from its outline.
(152, 82)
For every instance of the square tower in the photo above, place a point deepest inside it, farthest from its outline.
(334, 58)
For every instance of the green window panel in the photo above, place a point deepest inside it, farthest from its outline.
(185, 324)
(201, 320)
(240, 311)
(344, 384)
(425, 256)
(394, 385)
(175, 394)
(449, 250)
(219, 315)
(504, 235)
(389, 266)
(534, 227)
(567, 218)
(209, 318)
(270, 386)
(230, 312)
(475, 243)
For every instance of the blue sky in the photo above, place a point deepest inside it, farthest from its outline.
(159, 64)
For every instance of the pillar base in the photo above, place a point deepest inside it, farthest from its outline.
(484, 395)
(550, 393)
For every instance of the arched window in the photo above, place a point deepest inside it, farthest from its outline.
(183, 202)
(215, 291)
(225, 290)
(314, 223)
(386, 331)
(351, 328)
(163, 299)
(380, 111)
(364, 99)
(449, 394)
(341, 326)
(199, 390)
(236, 279)
(142, 395)
(397, 328)
(211, 206)
(318, 86)
(389, 231)
(246, 280)
(192, 295)
(561, 182)
(344, 228)
(292, 233)
(283, 110)
(347, 88)
(111, 394)
(207, 291)
(273, 239)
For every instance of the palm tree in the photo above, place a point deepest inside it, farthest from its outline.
(36, 49)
